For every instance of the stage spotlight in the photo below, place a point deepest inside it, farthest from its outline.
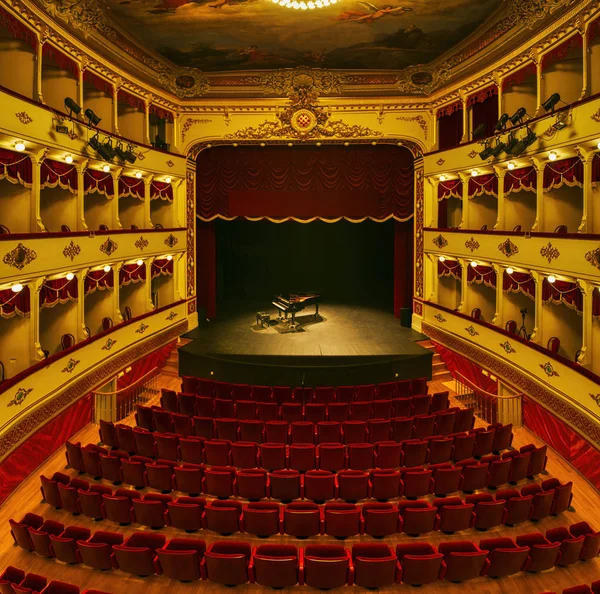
(168, 180)
(169, 257)
(106, 151)
(519, 148)
(552, 156)
(94, 142)
(68, 159)
(486, 153)
(501, 123)
(531, 137)
(510, 144)
(442, 258)
(138, 174)
(551, 102)
(106, 168)
(524, 143)
(474, 173)
(479, 132)
(139, 262)
(518, 116)
(91, 117)
(125, 155)
(474, 264)
(107, 268)
(70, 276)
(498, 149)
(443, 177)
(72, 107)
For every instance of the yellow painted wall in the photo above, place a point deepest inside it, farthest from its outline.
(520, 209)
(134, 296)
(15, 205)
(449, 292)
(484, 298)
(564, 322)
(483, 210)
(14, 344)
(98, 305)
(562, 206)
(58, 207)
(56, 321)
(17, 65)
(131, 212)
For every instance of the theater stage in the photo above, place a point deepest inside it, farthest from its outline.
(349, 345)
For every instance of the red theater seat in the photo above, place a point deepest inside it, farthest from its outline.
(388, 454)
(315, 413)
(223, 390)
(190, 383)
(360, 411)
(439, 449)
(206, 387)
(183, 424)
(379, 430)
(518, 507)
(65, 546)
(58, 587)
(251, 431)
(402, 407)
(444, 422)
(188, 479)
(145, 445)
(484, 441)
(159, 475)
(489, 513)
(562, 495)
(319, 485)
(161, 419)
(223, 516)
(180, 559)
(342, 520)
(217, 452)
(464, 420)
(68, 496)
(423, 426)
(275, 566)
(74, 456)
(571, 546)
(118, 508)
(418, 385)
(272, 456)
(439, 402)
(219, 481)
(354, 432)
(591, 542)
(227, 562)
(353, 485)
(542, 554)
(453, 515)
(186, 513)
(385, 484)
(167, 446)
(360, 456)
(186, 403)
(291, 411)
(332, 457)
(420, 404)
(302, 519)
(302, 432)
(110, 467)
(151, 510)
(262, 393)
(541, 502)
(302, 457)
(326, 566)
(245, 410)
(502, 437)
(474, 475)
(277, 432)
(446, 479)
(374, 565)
(463, 446)
(204, 427)
(303, 395)
(537, 461)
(401, 428)
(416, 517)
(241, 392)
(416, 482)
(97, 552)
(381, 409)
(40, 537)
(252, 484)
(205, 407)
(414, 452)
(108, 434)
(227, 428)
(49, 489)
(285, 485)
(329, 432)
(244, 454)
(20, 530)
(126, 438)
(504, 555)
(324, 395)
(90, 502)
(464, 560)
(143, 417)
(268, 411)
(134, 470)
(338, 411)
(138, 553)
(420, 563)
(499, 473)
(262, 518)
(168, 400)
(380, 519)
(386, 391)
(11, 575)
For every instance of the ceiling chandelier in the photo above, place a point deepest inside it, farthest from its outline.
(302, 5)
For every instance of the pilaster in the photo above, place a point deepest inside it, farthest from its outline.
(586, 354)
(36, 353)
(500, 216)
(36, 223)
(80, 197)
(539, 211)
(464, 265)
(464, 223)
(116, 309)
(148, 285)
(587, 215)
(499, 270)
(81, 331)
(539, 312)
(115, 222)
(147, 210)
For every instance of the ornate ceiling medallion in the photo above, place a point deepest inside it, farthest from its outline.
(303, 121)
(19, 257)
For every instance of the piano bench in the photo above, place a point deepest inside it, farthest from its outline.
(263, 318)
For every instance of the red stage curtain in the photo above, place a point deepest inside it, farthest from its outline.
(99, 83)
(562, 438)
(17, 29)
(140, 368)
(131, 100)
(16, 167)
(41, 445)
(131, 186)
(12, 304)
(403, 271)
(55, 173)
(518, 77)
(332, 182)
(567, 171)
(520, 179)
(596, 303)
(61, 59)
(596, 168)
(485, 109)
(483, 184)
(206, 248)
(57, 291)
(450, 268)
(593, 31)
(560, 52)
(562, 292)
(161, 113)
(98, 279)
(161, 190)
(98, 181)
(519, 282)
(482, 275)
(451, 188)
(132, 273)
(162, 267)
(450, 128)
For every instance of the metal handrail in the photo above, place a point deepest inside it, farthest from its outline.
(140, 380)
(480, 389)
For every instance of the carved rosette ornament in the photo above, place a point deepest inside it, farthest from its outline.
(471, 331)
(440, 241)
(508, 248)
(171, 241)
(142, 243)
(440, 318)
(508, 349)
(142, 328)
(109, 247)
(24, 117)
(593, 257)
(19, 257)
(472, 244)
(549, 252)
(548, 369)
(71, 250)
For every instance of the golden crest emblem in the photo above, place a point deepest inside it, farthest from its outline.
(303, 121)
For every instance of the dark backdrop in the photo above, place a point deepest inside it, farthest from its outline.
(345, 262)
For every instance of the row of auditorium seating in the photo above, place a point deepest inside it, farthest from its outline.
(280, 394)
(320, 566)
(206, 406)
(354, 431)
(14, 581)
(580, 589)
(447, 514)
(289, 484)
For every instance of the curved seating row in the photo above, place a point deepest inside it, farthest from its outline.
(325, 394)
(14, 580)
(352, 431)
(581, 589)
(320, 566)
(447, 514)
(206, 406)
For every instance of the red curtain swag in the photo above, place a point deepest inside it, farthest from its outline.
(131, 100)
(305, 183)
(560, 52)
(518, 77)
(482, 275)
(131, 186)
(486, 112)
(58, 291)
(562, 292)
(519, 282)
(161, 190)
(99, 83)
(482, 96)
(15, 304)
(596, 303)
(98, 181)
(449, 109)
(450, 268)
(61, 59)
(161, 114)
(483, 184)
(162, 267)
(17, 29)
(450, 129)
(98, 280)
(566, 172)
(596, 168)
(16, 167)
(132, 273)
(55, 173)
(451, 188)
(520, 179)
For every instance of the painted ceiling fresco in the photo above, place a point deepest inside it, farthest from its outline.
(226, 35)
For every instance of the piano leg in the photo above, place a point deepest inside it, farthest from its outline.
(293, 320)
(316, 310)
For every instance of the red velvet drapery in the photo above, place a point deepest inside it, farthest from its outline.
(593, 31)
(131, 100)
(518, 77)
(206, 248)
(132, 273)
(451, 188)
(596, 303)
(482, 95)
(482, 275)
(520, 179)
(161, 190)
(450, 128)
(450, 268)
(162, 266)
(55, 173)
(484, 106)
(562, 292)
(60, 59)
(131, 186)
(449, 109)
(560, 52)
(596, 168)
(161, 113)
(13, 304)
(16, 167)
(57, 291)
(99, 83)
(519, 282)
(146, 364)
(17, 29)
(98, 181)
(566, 172)
(403, 266)
(483, 184)
(98, 279)
(305, 182)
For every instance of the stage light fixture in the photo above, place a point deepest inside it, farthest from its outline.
(91, 117)
(501, 123)
(107, 268)
(138, 174)
(168, 180)
(16, 288)
(68, 159)
(499, 149)
(443, 177)
(72, 107)
(94, 142)
(474, 173)
(551, 279)
(510, 144)
(106, 168)
(509, 271)
(524, 143)
(70, 276)
(518, 116)
(511, 165)
(19, 146)
(486, 153)
(552, 156)
(474, 264)
(551, 102)
(139, 262)
(479, 131)
(442, 259)
(169, 257)
(125, 155)
(106, 151)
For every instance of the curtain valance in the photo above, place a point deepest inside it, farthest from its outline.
(520, 179)
(449, 109)
(482, 95)
(132, 273)
(519, 77)
(450, 268)
(15, 304)
(98, 181)
(519, 282)
(562, 292)
(561, 51)
(98, 280)
(61, 59)
(161, 114)
(162, 266)
(56, 173)
(131, 186)
(566, 172)
(161, 190)
(131, 100)
(17, 29)
(16, 167)
(485, 275)
(452, 188)
(483, 184)
(60, 290)
(99, 83)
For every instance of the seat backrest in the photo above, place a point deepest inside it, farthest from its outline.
(476, 313)
(561, 229)
(107, 323)
(553, 344)
(511, 327)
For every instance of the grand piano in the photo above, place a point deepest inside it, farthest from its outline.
(295, 302)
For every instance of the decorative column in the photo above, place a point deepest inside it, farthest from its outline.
(465, 116)
(431, 202)
(81, 331)
(148, 283)
(147, 102)
(81, 223)
(539, 214)
(36, 223)
(583, 30)
(586, 356)
(587, 215)
(116, 222)
(464, 265)
(36, 353)
(435, 130)
(178, 202)
(432, 281)
(498, 315)
(500, 222)
(464, 223)
(538, 279)
(38, 70)
(535, 56)
(179, 276)
(116, 86)
(147, 210)
(116, 309)
(80, 83)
